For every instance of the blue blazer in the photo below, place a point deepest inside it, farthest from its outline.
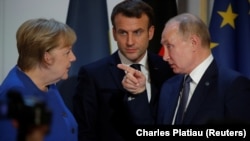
(222, 96)
(62, 127)
(101, 104)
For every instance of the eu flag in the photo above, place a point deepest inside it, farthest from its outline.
(89, 19)
(230, 29)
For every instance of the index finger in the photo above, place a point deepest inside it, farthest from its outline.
(126, 68)
(123, 67)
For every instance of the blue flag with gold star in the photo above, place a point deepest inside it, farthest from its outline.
(230, 34)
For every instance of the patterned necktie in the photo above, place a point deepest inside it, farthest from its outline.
(136, 66)
(183, 100)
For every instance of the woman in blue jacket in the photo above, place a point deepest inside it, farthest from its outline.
(45, 56)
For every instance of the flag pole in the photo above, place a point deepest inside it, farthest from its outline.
(203, 10)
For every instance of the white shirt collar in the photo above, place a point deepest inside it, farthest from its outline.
(198, 72)
(125, 61)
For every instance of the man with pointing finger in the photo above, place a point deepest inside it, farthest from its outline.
(103, 108)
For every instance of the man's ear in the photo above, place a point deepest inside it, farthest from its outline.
(195, 41)
(151, 32)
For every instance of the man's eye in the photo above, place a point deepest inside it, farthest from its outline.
(138, 32)
(122, 33)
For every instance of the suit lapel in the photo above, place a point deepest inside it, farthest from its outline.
(154, 90)
(153, 72)
(173, 100)
(206, 83)
(168, 100)
(116, 73)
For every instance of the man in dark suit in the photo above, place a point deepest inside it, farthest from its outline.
(103, 109)
(216, 94)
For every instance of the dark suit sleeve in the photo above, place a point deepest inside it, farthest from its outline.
(139, 109)
(85, 107)
(238, 100)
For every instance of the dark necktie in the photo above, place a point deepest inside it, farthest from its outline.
(136, 66)
(183, 100)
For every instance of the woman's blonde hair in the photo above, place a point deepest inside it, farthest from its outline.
(37, 36)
